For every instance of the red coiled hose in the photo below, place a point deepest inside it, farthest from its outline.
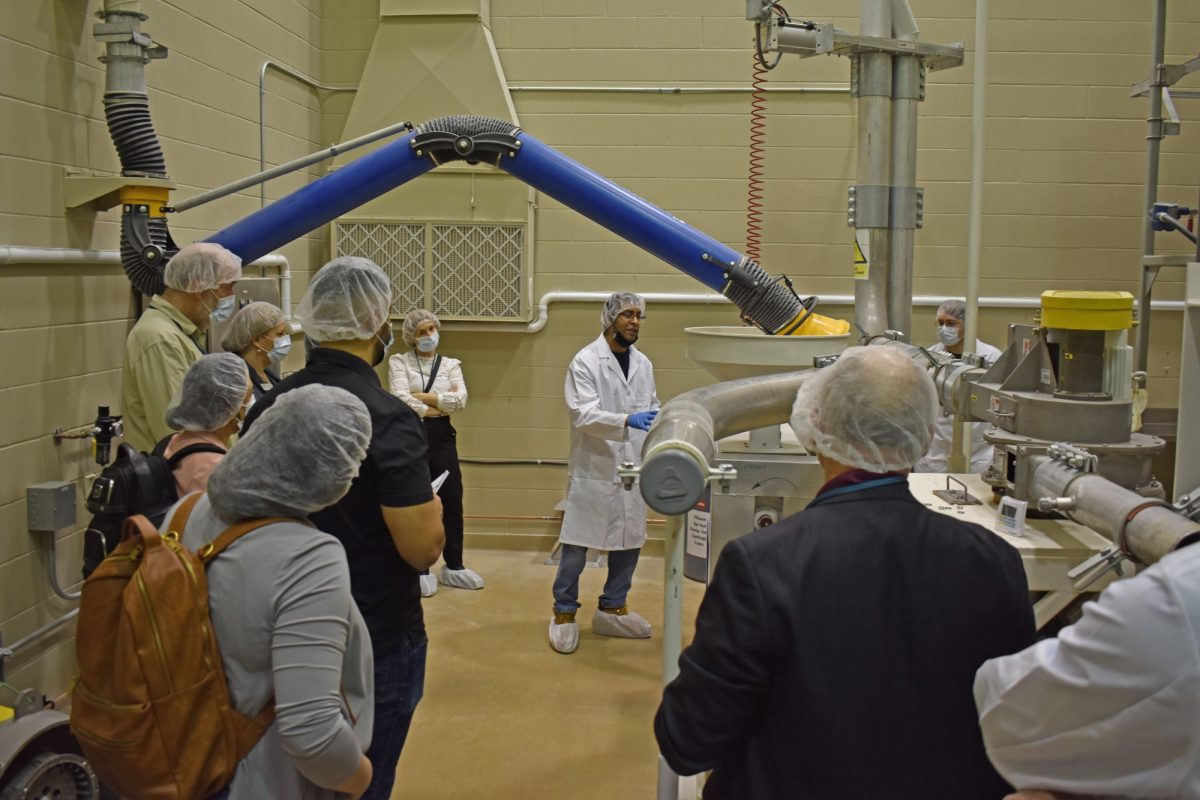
(758, 142)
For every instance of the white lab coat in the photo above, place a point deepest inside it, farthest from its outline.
(599, 512)
(937, 458)
(1112, 706)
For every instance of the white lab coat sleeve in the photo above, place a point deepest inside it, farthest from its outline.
(1110, 707)
(583, 405)
(400, 382)
(455, 399)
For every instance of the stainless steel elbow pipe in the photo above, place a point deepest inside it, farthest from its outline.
(681, 445)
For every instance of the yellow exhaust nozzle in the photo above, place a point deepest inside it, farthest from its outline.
(815, 325)
(153, 197)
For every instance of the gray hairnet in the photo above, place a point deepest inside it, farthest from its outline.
(249, 323)
(348, 298)
(210, 394)
(618, 302)
(299, 456)
(200, 267)
(874, 409)
(954, 308)
(413, 320)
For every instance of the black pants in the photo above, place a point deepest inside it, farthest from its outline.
(443, 455)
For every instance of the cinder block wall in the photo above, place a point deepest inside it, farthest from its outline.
(1064, 201)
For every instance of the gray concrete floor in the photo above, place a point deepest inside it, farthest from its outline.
(504, 716)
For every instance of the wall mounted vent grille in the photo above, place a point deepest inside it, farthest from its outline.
(466, 271)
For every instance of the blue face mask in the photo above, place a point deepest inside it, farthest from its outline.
(427, 344)
(283, 346)
(224, 310)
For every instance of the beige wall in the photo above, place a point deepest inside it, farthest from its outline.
(1065, 169)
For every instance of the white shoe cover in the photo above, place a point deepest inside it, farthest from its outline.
(428, 585)
(565, 637)
(461, 578)
(628, 625)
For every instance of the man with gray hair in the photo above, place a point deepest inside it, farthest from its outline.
(612, 402)
(835, 651)
(390, 522)
(169, 336)
(951, 323)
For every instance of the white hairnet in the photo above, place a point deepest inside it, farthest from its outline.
(413, 320)
(200, 267)
(874, 409)
(299, 456)
(953, 308)
(249, 323)
(210, 394)
(618, 302)
(348, 298)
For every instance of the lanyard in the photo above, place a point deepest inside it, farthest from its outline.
(191, 339)
(858, 487)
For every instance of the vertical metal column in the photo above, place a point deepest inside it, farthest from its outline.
(668, 781)
(1154, 135)
(960, 452)
(906, 90)
(874, 90)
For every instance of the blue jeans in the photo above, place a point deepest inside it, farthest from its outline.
(399, 685)
(573, 558)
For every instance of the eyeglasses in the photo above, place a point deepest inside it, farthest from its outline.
(631, 314)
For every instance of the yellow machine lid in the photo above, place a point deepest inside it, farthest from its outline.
(1087, 311)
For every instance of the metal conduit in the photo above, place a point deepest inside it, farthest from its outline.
(262, 108)
(681, 89)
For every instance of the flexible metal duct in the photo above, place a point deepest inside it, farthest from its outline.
(146, 244)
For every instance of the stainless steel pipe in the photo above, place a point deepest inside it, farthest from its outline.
(1144, 527)
(681, 445)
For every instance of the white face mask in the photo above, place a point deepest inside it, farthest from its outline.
(427, 344)
(949, 335)
(225, 308)
(283, 346)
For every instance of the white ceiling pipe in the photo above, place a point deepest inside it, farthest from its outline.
(930, 301)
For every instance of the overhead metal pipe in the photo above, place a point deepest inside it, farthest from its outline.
(1154, 136)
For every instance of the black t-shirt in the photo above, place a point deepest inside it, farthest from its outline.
(395, 473)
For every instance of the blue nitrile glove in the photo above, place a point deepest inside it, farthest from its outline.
(642, 419)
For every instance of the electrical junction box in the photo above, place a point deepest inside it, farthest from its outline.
(50, 506)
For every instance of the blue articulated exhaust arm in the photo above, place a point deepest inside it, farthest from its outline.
(765, 301)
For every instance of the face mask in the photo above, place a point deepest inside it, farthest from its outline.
(427, 344)
(391, 337)
(224, 310)
(949, 335)
(245, 410)
(283, 346)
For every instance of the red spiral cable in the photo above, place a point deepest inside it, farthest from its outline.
(758, 142)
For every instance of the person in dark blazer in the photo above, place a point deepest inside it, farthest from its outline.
(835, 651)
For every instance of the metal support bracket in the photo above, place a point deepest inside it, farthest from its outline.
(956, 497)
(1097, 567)
(868, 206)
(826, 39)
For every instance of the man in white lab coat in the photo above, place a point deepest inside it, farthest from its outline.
(1112, 706)
(612, 402)
(951, 320)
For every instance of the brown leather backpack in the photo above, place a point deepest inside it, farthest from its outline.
(150, 707)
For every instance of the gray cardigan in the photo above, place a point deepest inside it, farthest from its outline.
(287, 627)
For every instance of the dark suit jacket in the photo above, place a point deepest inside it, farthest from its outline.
(835, 653)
